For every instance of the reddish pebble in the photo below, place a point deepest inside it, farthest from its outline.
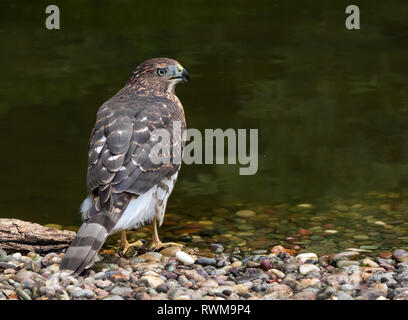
(279, 249)
(305, 231)
(385, 255)
(266, 264)
(329, 226)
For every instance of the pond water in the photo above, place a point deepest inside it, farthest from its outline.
(331, 106)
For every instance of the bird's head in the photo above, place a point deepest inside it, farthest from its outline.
(158, 75)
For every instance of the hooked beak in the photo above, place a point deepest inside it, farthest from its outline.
(181, 74)
(184, 75)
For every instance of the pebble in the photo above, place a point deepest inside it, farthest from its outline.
(152, 281)
(151, 256)
(361, 237)
(278, 291)
(266, 264)
(206, 261)
(245, 213)
(228, 273)
(308, 268)
(184, 257)
(303, 257)
(216, 248)
(121, 291)
(8, 265)
(103, 283)
(82, 293)
(23, 294)
(369, 263)
(400, 255)
(277, 273)
(347, 255)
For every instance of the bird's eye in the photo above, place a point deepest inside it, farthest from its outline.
(161, 72)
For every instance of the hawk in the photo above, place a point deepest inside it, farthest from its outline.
(127, 188)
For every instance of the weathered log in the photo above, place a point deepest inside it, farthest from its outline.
(18, 235)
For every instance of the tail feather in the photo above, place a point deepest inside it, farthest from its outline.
(82, 251)
(92, 234)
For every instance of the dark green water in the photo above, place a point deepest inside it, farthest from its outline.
(331, 106)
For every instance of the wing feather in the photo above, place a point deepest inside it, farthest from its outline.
(120, 145)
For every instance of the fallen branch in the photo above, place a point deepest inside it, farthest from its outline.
(18, 235)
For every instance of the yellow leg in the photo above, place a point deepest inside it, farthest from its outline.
(125, 245)
(157, 244)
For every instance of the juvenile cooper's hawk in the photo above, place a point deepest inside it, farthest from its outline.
(127, 189)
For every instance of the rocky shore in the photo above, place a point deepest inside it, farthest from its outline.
(171, 274)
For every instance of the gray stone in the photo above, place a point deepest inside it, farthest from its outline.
(82, 293)
(103, 283)
(8, 265)
(217, 248)
(400, 255)
(206, 261)
(121, 291)
(341, 295)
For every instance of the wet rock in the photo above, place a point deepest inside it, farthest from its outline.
(186, 238)
(369, 263)
(341, 295)
(151, 256)
(290, 280)
(82, 293)
(185, 258)
(304, 295)
(50, 258)
(347, 255)
(278, 291)
(266, 264)
(327, 293)
(384, 264)
(193, 275)
(170, 251)
(23, 294)
(400, 255)
(216, 248)
(306, 283)
(277, 273)
(121, 291)
(173, 294)
(245, 213)
(103, 283)
(385, 254)
(151, 281)
(308, 268)
(9, 265)
(306, 257)
(346, 263)
(252, 264)
(206, 261)
(163, 288)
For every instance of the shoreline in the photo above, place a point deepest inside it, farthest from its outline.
(277, 274)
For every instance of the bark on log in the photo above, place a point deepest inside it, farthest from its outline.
(18, 235)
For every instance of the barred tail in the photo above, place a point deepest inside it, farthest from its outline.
(89, 239)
